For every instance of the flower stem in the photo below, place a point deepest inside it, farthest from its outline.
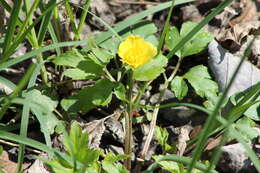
(128, 122)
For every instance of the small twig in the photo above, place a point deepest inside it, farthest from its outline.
(156, 110)
(137, 3)
(17, 145)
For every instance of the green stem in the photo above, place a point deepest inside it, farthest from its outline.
(128, 122)
(82, 18)
(17, 90)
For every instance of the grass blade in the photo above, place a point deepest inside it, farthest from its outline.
(45, 22)
(12, 24)
(25, 119)
(7, 82)
(17, 90)
(132, 20)
(179, 159)
(210, 121)
(38, 51)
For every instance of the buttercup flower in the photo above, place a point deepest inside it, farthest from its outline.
(135, 52)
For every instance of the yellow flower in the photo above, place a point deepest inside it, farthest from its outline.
(135, 52)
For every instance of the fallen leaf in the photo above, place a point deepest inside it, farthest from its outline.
(6, 164)
(223, 65)
(37, 167)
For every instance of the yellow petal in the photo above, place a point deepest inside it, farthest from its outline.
(135, 52)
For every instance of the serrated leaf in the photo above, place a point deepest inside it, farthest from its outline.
(151, 70)
(76, 145)
(197, 43)
(172, 38)
(200, 80)
(42, 108)
(70, 58)
(88, 98)
(179, 87)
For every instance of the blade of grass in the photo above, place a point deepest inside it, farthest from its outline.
(54, 37)
(7, 82)
(179, 159)
(107, 25)
(165, 28)
(132, 20)
(17, 90)
(25, 118)
(83, 18)
(233, 132)
(217, 152)
(45, 22)
(198, 27)
(26, 141)
(210, 121)
(38, 51)
(28, 18)
(71, 17)
(17, 41)
(235, 112)
(12, 25)
(19, 22)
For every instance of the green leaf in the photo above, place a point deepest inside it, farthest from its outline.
(200, 80)
(172, 38)
(245, 127)
(198, 42)
(88, 98)
(110, 157)
(85, 69)
(109, 167)
(111, 45)
(76, 145)
(151, 70)
(70, 58)
(179, 87)
(120, 91)
(42, 108)
(170, 166)
(102, 55)
(144, 29)
(162, 137)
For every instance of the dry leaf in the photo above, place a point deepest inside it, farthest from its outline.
(223, 64)
(95, 130)
(7, 165)
(183, 137)
(37, 167)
